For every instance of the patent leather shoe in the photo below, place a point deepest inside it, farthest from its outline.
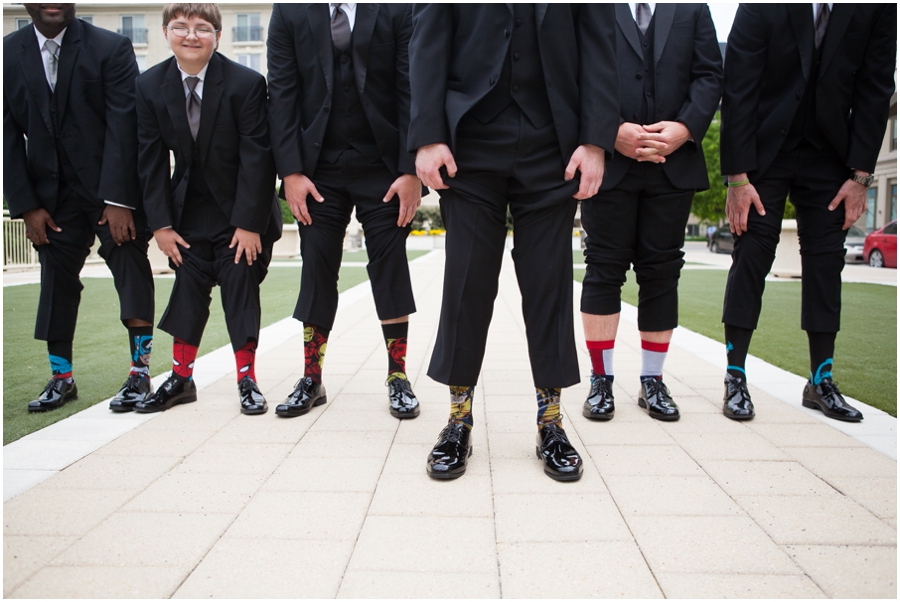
(252, 401)
(57, 392)
(403, 401)
(451, 452)
(737, 404)
(137, 388)
(172, 392)
(600, 404)
(561, 461)
(307, 394)
(656, 399)
(826, 398)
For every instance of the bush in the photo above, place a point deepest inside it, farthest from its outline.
(286, 214)
(430, 214)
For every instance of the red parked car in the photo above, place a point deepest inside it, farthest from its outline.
(880, 250)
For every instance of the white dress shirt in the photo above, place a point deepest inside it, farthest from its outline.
(199, 87)
(349, 8)
(633, 7)
(45, 54)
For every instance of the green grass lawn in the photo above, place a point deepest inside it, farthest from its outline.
(865, 352)
(101, 342)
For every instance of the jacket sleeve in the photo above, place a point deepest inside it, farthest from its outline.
(745, 61)
(256, 168)
(118, 172)
(598, 76)
(17, 187)
(872, 90)
(285, 95)
(705, 89)
(429, 65)
(406, 162)
(153, 164)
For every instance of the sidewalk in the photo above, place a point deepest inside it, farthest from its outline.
(201, 501)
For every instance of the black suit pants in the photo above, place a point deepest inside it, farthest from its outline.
(63, 258)
(353, 181)
(640, 222)
(207, 263)
(812, 178)
(507, 163)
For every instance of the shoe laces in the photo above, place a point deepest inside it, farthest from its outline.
(453, 432)
(247, 384)
(133, 382)
(554, 434)
(402, 384)
(829, 387)
(53, 385)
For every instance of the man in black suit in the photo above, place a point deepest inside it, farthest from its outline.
(339, 115)
(807, 93)
(216, 217)
(68, 87)
(509, 102)
(670, 82)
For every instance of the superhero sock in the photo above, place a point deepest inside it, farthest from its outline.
(140, 340)
(183, 357)
(60, 353)
(461, 405)
(315, 340)
(245, 360)
(737, 344)
(653, 357)
(821, 352)
(601, 358)
(548, 407)
(395, 340)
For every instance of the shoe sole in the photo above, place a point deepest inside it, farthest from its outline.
(554, 476)
(657, 416)
(597, 417)
(404, 415)
(293, 414)
(739, 418)
(814, 406)
(40, 410)
(448, 476)
(177, 400)
(262, 410)
(121, 409)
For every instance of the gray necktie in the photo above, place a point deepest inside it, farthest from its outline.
(193, 106)
(643, 16)
(53, 63)
(822, 23)
(340, 28)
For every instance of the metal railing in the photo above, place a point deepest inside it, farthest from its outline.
(137, 35)
(18, 251)
(247, 33)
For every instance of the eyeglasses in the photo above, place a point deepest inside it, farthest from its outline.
(200, 32)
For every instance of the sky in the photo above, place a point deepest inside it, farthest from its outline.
(723, 15)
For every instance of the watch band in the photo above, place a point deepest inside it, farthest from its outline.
(866, 181)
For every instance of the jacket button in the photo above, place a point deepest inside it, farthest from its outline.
(638, 76)
(646, 44)
(316, 145)
(344, 59)
(635, 116)
(518, 22)
(493, 81)
(505, 33)
(54, 176)
(326, 109)
(516, 55)
(649, 95)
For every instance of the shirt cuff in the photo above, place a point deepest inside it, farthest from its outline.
(119, 205)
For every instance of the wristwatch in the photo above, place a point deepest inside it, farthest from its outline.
(864, 180)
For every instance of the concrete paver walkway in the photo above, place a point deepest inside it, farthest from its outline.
(201, 501)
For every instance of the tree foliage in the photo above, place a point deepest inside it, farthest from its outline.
(709, 205)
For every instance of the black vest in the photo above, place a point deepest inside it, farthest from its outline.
(804, 126)
(648, 105)
(68, 177)
(347, 124)
(522, 77)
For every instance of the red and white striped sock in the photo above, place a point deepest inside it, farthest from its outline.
(653, 356)
(601, 357)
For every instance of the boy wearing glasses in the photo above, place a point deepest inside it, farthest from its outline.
(216, 218)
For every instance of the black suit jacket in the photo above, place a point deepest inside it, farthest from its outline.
(688, 84)
(457, 53)
(233, 140)
(768, 62)
(94, 118)
(301, 70)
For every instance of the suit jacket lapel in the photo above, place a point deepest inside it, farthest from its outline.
(320, 26)
(628, 28)
(209, 108)
(837, 25)
(366, 16)
(804, 34)
(173, 91)
(540, 11)
(663, 15)
(33, 69)
(68, 54)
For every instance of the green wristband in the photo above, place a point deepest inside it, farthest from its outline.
(741, 183)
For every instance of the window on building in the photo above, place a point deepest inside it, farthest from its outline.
(893, 133)
(141, 62)
(20, 23)
(134, 29)
(894, 201)
(872, 211)
(248, 28)
(249, 60)
(87, 18)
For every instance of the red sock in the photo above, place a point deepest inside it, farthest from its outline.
(601, 357)
(183, 357)
(245, 359)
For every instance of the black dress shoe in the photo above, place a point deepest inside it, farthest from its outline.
(655, 398)
(600, 404)
(137, 388)
(57, 392)
(307, 395)
(826, 398)
(403, 401)
(561, 461)
(451, 452)
(737, 404)
(172, 392)
(252, 401)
